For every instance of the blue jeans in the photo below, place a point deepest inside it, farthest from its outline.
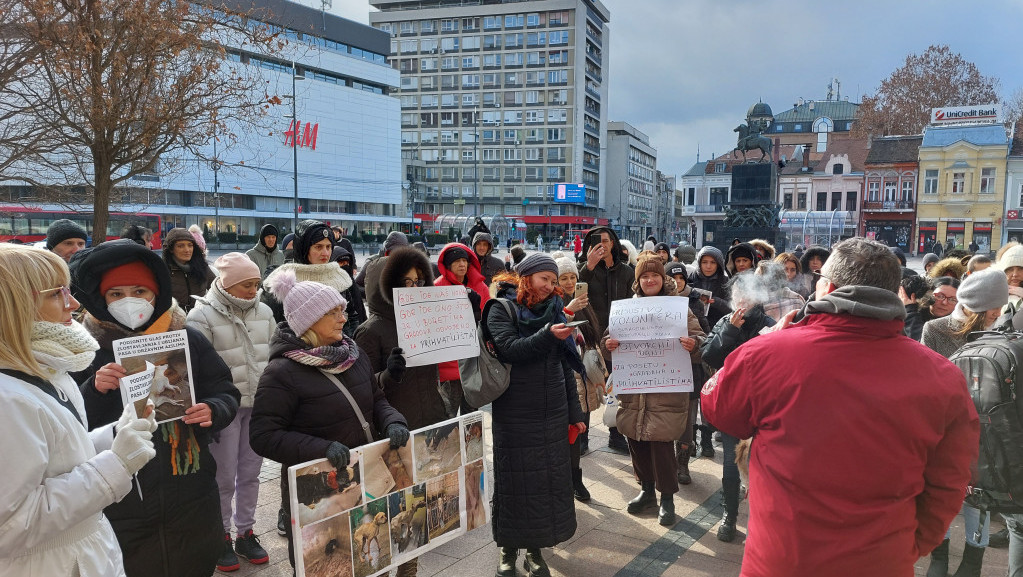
(729, 470)
(971, 517)
(1014, 522)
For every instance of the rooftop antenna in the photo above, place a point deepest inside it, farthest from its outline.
(697, 152)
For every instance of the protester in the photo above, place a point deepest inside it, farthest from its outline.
(951, 266)
(740, 258)
(490, 265)
(810, 452)
(653, 422)
(1010, 263)
(514, 257)
(794, 274)
(394, 239)
(300, 413)
(929, 260)
(663, 252)
(266, 254)
(631, 253)
(356, 308)
(138, 234)
(531, 419)
(980, 300)
(199, 238)
(458, 266)
(577, 245)
(978, 263)
(765, 250)
(126, 290)
(239, 327)
(811, 262)
(711, 277)
(190, 274)
(59, 477)
(65, 237)
(912, 290)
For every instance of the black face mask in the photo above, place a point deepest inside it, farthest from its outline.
(289, 255)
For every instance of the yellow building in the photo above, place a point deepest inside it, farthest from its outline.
(961, 192)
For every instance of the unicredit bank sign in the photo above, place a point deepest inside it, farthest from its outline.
(981, 113)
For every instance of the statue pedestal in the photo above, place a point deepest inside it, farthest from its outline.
(754, 184)
(754, 203)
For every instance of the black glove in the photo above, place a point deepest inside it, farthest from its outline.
(396, 364)
(398, 434)
(475, 300)
(338, 456)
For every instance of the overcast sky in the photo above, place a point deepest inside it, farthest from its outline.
(685, 71)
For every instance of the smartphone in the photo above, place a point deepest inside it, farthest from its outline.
(576, 323)
(581, 289)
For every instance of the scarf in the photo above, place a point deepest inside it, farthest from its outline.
(68, 348)
(243, 305)
(336, 358)
(186, 267)
(550, 311)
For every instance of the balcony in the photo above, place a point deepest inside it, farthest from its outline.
(709, 208)
(888, 205)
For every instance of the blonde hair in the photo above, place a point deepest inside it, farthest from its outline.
(975, 321)
(24, 272)
(310, 338)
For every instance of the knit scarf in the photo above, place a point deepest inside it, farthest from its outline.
(543, 312)
(335, 358)
(64, 347)
(243, 305)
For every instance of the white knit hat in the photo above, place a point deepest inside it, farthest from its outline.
(305, 302)
(566, 264)
(1010, 258)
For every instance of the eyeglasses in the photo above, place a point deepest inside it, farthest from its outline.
(410, 282)
(938, 297)
(337, 313)
(63, 290)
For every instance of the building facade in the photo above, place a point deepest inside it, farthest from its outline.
(962, 186)
(668, 222)
(1013, 222)
(630, 164)
(891, 176)
(500, 101)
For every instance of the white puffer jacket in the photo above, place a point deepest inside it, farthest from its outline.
(240, 336)
(59, 482)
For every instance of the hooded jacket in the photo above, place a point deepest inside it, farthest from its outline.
(490, 265)
(197, 280)
(809, 276)
(743, 249)
(355, 310)
(416, 396)
(181, 507)
(606, 284)
(474, 280)
(266, 257)
(807, 415)
(714, 283)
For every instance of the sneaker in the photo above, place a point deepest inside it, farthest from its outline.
(247, 546)
(282, 522)
(227, 561)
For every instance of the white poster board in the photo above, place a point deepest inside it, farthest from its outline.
(435, 324)
(389, 505)
(649, 357)
(159, 368)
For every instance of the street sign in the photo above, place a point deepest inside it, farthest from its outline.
(573, 193)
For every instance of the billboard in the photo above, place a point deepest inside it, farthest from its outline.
(951, 114)
(570, 193)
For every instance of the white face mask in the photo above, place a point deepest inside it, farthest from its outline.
(131, 312)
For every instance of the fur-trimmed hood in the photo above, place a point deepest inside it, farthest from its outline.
(818, 251)
(396, 264)
(328, 273)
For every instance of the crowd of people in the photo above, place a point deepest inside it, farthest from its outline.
(295, 356)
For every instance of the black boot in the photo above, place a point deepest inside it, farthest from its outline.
(726, 530)
(506, 561)
(682, 456)
(973, 558)
(666, 514)
(535, 565)
(617, 443)
(646, 498)
(578, 489)
(939, 561)
(706, 442)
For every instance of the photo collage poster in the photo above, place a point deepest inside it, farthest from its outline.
(389, 506)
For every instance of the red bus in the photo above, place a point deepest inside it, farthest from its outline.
(29, 225)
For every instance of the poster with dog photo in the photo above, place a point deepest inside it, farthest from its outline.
(371, 538)
(326, 548)
(158, 369)
(444, 506)
(386, 470)
(477, 513)
(437, 450)
(406, 511)
(472, 437)
(318, 490)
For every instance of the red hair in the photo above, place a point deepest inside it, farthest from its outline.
(528, 295)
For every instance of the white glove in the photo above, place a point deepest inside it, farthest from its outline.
(133, 440)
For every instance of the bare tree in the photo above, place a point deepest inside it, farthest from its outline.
(1013, 107)
(938, 77)
(118, 85)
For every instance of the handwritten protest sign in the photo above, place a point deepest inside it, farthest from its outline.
(435, 324)
(158, 368)
(648, 318)
(650, 358)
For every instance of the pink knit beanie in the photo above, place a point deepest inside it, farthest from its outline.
(235, 267)
(200, 240)
(304, 302)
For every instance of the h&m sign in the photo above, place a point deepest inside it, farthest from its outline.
(301, 136)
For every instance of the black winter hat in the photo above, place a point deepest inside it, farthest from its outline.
(743, 249)
(63, 229)
(674, 268)
(268, 230)
(454, 253)
(310, 232)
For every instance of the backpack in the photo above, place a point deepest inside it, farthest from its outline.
(485, 378)
(991, 362)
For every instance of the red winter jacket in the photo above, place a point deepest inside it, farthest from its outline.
(863, 444)
(475, 281)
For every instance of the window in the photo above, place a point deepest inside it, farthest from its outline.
(428, 119)
(907, 191)
(448, 172)
(408, 27)
(491, 80)
(534, 116)
(958, 182)
(492, 41)
(513, 59)
(429, 100)
(533, 97)
(449, 63)
(449, 136)
(513, 40)
(536, 39)
(470, 43)
(470, 81)
(449, 100)
(513, 98)
(534, 78)
(850, 201)
(447, 118)
(470, 99)
(514, 20)
(822, 201)
(987, 180)
(889, 191)
(558, 57)
(491, 22)
(534, 135)
(470, 62)
(797, 128)
(490, 118)
(555, 154)
(427, 64)
(428, 26)
(468, 155)
(802, 201)
(532, 19)
(409, 82)
(838, 168)
(719, 168)
(408, 119)
(470, 23)
(559, 96)
(533, 153)
(555, 134)
(409, 46)
(557, 76)
(409, 101)
(449, 25)
(428, 137)
(429, 45)
(557, 37)
(491, 60)
(449, 44)
(930, 182)
(557, 18)
(409, 137)
(874, 191)
(786, 204)
(449, 81)
(512, 78)
(836, 201)
(556, 173)
(557, 115)
(513, 154)
(513, 117)
(535, 58)
(491, 154)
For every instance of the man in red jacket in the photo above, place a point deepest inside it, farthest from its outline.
(862, 438)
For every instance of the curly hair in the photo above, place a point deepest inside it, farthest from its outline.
(525, 294)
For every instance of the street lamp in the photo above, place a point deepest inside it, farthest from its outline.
(476, 161)
(294, 137)
(216, 184)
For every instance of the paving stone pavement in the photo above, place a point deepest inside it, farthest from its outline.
(608, 542)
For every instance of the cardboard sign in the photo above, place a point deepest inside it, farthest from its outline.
(650, 358)
(648, 318)
(435, 324)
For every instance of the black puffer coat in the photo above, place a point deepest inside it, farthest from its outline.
(416, 397)
(606, 284)
(176, 529)
(532, 502)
